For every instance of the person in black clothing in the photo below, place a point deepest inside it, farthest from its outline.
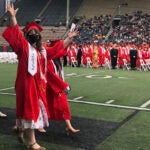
(65, 60)
(114, 56)
(79, 56)
(133, 58)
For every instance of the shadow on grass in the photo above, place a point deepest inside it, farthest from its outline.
(92, 133)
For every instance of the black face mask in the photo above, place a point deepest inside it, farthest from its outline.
(33, 38)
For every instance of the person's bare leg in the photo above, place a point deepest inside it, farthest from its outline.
(14, 128)
(32, 144)
(70, 128)
(20, 133)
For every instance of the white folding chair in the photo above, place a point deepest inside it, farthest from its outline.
(73, 62)
(12, 58)
(147, 63)
(1, 57)
(107, 64)
(5, 57)
(89, 62)
(143, 66)
(126, 65)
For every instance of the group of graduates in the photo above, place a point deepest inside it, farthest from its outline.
(114, 53)
(41, 92)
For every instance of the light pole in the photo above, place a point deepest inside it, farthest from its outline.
(67, 13)
(119, 9)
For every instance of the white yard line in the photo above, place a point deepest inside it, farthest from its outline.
(70, 74)
(1, 93)
(77, 98)
(110, 105)
(145, 104)
(6, 89)
(110, 101)
(107, 104)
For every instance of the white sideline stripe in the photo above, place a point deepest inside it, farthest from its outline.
(78, 98)
(142, 107)
(7, 93)
(111, 105)
(145, 104)
(110, 101)
(6, 89)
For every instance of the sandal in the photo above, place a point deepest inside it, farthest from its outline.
(31, 147)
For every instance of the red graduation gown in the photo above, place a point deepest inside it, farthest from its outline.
(57, 100)
(28, 88)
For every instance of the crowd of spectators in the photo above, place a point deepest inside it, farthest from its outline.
(93, 29)
(132, 29)
(132, 32)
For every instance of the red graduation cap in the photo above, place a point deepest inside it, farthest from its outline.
(32, 25)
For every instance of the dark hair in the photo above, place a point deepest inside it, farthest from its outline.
(39, 43)
(58, 63)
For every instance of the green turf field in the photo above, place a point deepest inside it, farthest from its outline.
(97, 96)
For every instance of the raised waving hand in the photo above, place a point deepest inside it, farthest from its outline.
(12, 13)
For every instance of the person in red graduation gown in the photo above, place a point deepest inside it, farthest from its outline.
(30, 87)
(56, 92)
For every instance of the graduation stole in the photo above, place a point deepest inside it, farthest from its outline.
(32, 60)
(43, 75)
(58, 71)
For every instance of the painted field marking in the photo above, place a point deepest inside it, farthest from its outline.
(98, 76)
(124, 78)
(6, 89)
(76, 75)
(71, 74)
(110, 101)
(77, 98)
(83, 75)
(111, 105)
(93, 75)
(7, 94)
(145, 104)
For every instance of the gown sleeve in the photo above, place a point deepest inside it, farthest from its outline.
(55, 51)
(15, 38)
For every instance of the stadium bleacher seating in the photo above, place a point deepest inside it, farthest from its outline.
(97, 7)
(53, 13)
(29, 10)
(2, 8)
